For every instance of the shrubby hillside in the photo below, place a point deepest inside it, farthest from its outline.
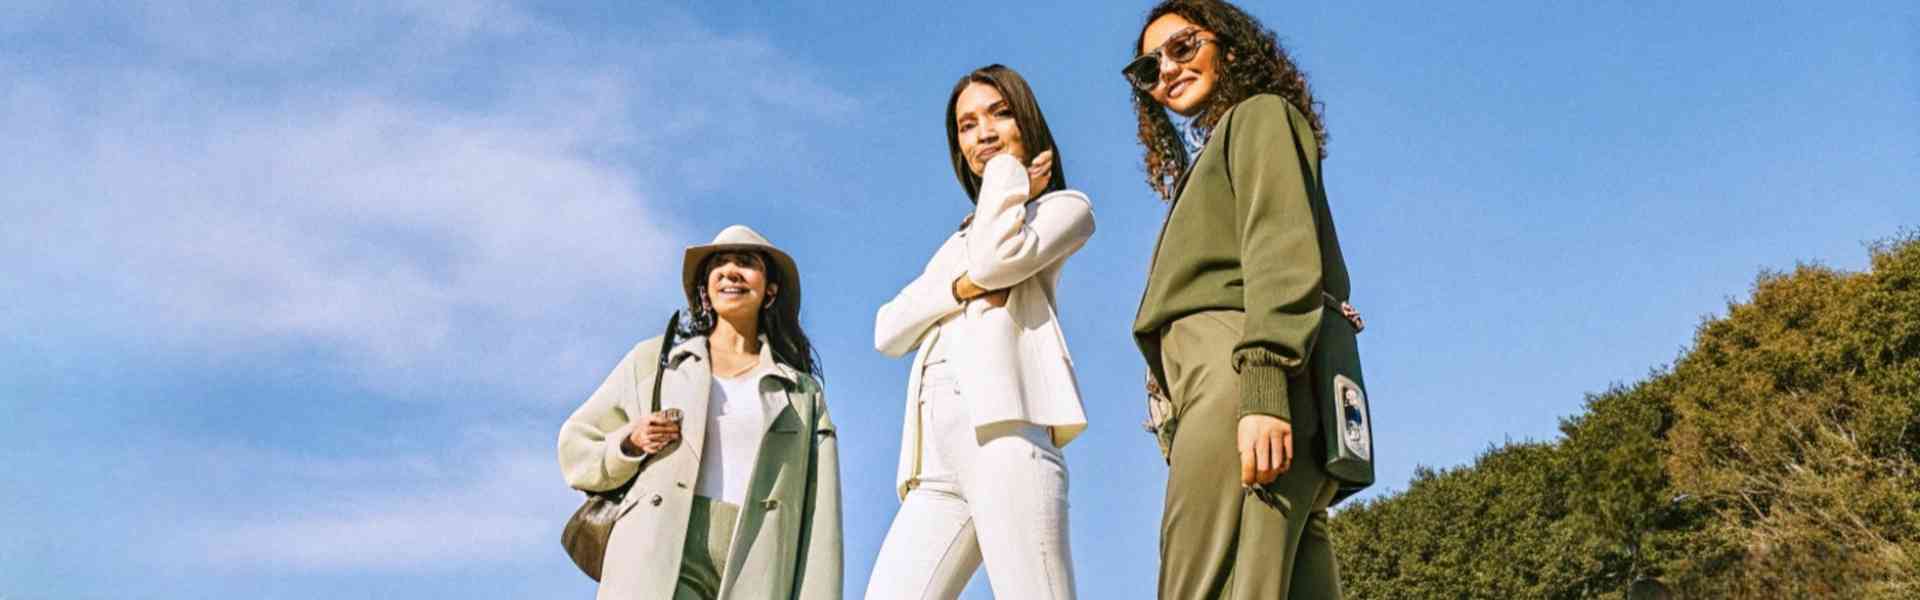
(1777, 457)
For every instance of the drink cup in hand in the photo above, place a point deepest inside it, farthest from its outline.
(658, 431)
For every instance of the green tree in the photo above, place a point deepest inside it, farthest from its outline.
(1484, 531)
(1796, 424)
(1778, 457)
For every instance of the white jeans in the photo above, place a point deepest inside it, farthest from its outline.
(999, 492)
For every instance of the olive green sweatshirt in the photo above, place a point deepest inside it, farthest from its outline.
(1249, 230)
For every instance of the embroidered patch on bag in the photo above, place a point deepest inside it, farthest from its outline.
(1356, 435)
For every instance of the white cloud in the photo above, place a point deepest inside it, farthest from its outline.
(389, 230)
(280, 35)
(266, 177)
(440, 200)
(484, 503)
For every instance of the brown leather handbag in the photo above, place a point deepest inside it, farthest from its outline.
(586, 533)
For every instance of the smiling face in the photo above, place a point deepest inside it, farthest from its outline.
(737, 285)
(1184, 87)
(985, 126)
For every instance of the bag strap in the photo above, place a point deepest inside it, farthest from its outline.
(659, 374)
(666, 350)
(1347, 311)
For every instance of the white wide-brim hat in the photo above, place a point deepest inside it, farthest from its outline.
(738, 238)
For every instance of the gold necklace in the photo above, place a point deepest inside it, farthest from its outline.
(743, 370)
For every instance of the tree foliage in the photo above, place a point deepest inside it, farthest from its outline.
(1778, 457)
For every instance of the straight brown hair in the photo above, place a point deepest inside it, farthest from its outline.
(1026, 114)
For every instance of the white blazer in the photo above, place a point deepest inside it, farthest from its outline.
(1012, 361)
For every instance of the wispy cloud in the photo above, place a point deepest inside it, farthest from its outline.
(290, 34)
(486, 502)
(453, 201)
(438, 188)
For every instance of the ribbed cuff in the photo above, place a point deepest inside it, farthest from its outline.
(1263, 391)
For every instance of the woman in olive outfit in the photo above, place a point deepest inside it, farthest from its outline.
(1233, 303)
(727, 511)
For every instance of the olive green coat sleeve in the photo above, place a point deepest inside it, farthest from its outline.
(1271, 160)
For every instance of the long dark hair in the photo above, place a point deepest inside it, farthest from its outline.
(1251, 62)
(781, 324)
(1026, 113)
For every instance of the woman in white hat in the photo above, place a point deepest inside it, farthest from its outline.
(991, 400)
(740, 497)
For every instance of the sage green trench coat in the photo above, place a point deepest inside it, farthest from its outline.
(780, 549)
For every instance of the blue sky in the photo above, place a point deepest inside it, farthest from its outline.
(298, 294)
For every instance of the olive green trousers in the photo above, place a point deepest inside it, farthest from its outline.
(1219, 540)
(709, 531)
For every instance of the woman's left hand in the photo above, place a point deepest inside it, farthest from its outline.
(1266, 448)
(996, 298)
(1039, 173)
(965, 291)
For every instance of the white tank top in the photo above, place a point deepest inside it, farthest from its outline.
(735, 423)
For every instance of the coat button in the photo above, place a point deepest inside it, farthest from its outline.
(656, 500)
(770, 504)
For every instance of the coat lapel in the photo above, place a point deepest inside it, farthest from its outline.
(776, 384)
(693, 393)
(773, 397)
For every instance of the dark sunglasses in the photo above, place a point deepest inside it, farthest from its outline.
(1144, 72)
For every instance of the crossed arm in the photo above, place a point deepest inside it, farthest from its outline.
(1008, 242)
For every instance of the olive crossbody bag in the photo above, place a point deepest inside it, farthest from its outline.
(1339, 389)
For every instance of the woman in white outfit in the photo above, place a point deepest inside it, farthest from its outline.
(991, 399)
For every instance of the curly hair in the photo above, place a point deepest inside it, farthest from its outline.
(1252, 62)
